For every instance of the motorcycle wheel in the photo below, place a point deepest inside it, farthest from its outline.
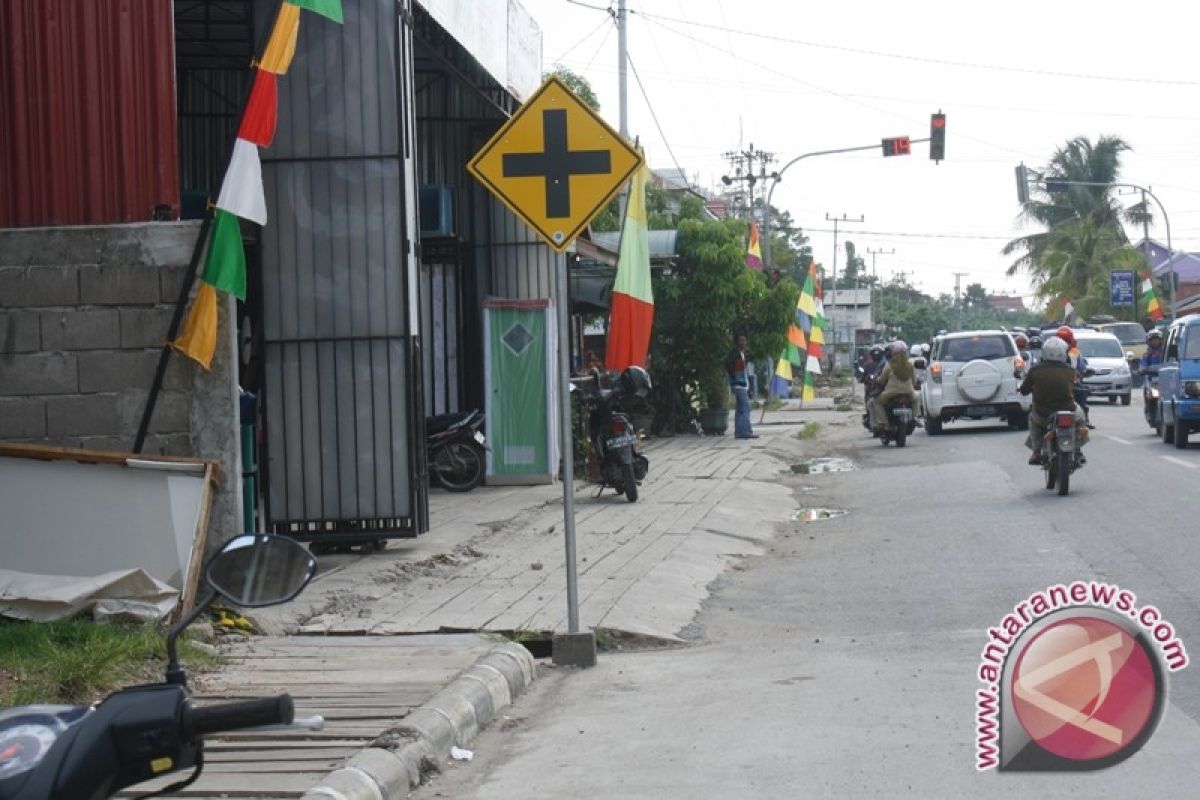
(1064, 474)
(901, 435)
(458, 467)
(631, 487)
(1051, 470)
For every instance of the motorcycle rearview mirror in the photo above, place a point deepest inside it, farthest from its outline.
(252, 571)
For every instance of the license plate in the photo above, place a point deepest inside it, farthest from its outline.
(619, 441)
(479, 437)
(981, 411)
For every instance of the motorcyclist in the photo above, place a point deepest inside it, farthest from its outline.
(896, 378)
(1035, 349)
(1154, 350)
(1079, 362)
(920, 362)
(1052, 384)
(872, 363)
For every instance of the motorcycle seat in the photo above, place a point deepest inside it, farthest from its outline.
(443, 422)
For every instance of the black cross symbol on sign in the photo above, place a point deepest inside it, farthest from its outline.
(556, 163)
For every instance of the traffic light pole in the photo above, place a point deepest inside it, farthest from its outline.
(779, 176)
(1166, 223)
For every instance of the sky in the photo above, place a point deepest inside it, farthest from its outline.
(1016, 81)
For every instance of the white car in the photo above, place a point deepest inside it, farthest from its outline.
(974, 375)
(1107, 360)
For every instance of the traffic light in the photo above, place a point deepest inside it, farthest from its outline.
(937, 136)
(1022, 184)
(898, 146)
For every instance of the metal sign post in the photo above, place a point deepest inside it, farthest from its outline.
(568, 446)
(556, 164)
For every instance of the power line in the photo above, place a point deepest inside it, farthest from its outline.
(924, 59)
(979, 236)
(844, 97)
(571, 49)
(658, 125)
(606, 9)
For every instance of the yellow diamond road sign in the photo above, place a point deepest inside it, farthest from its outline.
(555, 163)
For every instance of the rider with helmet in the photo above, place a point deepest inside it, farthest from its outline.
(1035, 349)
(896, 378)
(1154, 349)
(870, 364)
(1052, 383)
(1077, 360)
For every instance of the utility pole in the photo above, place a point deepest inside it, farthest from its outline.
(829, 310)
(875, 280)
(622, 67)
(958, 276)
(741, 163)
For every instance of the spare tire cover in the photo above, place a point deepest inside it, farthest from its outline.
(979, 380)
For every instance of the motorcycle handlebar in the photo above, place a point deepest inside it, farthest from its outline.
(278, 710)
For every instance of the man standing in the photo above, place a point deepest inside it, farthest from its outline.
(735, 367)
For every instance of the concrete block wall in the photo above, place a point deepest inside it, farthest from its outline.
(84, 312)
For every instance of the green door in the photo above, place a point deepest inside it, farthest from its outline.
(518, 416)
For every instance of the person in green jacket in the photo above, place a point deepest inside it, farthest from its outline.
(1052, 383)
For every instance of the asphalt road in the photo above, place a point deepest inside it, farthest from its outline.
(844, 663)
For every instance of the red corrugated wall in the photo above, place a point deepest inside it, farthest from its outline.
(87, 111)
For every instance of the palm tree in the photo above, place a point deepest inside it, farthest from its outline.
(1083, 237)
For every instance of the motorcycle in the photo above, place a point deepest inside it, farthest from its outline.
(1150, 395)
(53, 752)
(1060, 453)
(456, 450)
(900, 419)
(611, 434)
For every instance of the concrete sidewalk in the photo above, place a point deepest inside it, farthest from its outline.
(492, 561)
(643, 567)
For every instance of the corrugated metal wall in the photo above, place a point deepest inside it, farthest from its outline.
(87, 111)
(344, 450)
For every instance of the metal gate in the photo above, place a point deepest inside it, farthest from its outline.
(343, 411)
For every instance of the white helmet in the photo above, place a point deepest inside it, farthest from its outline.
(1054, 349)
(915, 351)
(899, 346)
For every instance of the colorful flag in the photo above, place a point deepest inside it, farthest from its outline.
(1068, 310)
(632, 312)
(258, 120)
(281, 47)
(224, 269)
(242, 189)
(1151, 297)
(326, 8)
(754, 249)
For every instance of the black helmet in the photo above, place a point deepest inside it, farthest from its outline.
(1154, 334)
(876, 350)
(635, 380)
(1035, 342)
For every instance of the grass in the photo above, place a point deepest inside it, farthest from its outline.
(774, 404)
(79, 661)
(809, 431)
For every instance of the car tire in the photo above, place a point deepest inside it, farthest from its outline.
(1019, 421)
(1181, 435)
(1167, 432)
(1127, 398)
(933, 426)
(1112, 399)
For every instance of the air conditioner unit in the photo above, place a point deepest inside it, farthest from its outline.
(437, 210)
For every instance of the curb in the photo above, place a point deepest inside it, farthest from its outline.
(422, 740)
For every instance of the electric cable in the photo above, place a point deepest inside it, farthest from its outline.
(657, 124)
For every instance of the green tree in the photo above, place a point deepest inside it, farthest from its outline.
(1082, 237)
(975, 296)
(577, 83)
(709, 296)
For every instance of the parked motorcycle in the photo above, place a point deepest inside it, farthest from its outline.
(456, 450)
(1061, 455)
(52, 752)
(611, 434)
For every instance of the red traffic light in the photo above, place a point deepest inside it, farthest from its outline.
(897, 146)
(937, 136)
